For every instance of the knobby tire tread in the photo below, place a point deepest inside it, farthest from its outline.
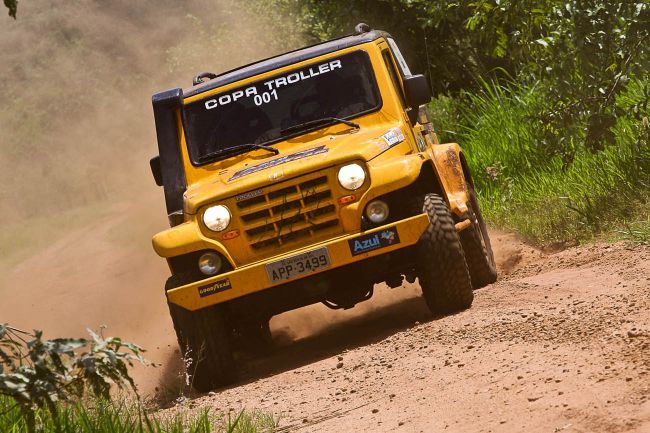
(203, 336)
(444, 276)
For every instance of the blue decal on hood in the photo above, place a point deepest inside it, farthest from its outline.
(279, 161)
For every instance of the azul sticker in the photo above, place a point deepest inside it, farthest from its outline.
(216, 287)
(250, 194)
(279, 161)
(393, 137)
(366, 243)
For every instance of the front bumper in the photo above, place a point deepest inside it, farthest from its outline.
(253, 277)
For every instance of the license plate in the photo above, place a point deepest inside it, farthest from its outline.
(300, 264)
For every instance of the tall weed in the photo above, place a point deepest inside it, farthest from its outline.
(124, 415)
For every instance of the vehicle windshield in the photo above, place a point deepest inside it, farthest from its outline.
(262, 111)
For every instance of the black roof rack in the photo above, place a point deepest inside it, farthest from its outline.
(362, 34)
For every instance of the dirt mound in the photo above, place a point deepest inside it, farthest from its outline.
(511, 252)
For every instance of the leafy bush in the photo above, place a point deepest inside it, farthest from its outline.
(12, 6)
(582, 52)
(63, 385)
(38, 373)
(525, 188)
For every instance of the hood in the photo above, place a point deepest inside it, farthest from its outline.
(297, 157)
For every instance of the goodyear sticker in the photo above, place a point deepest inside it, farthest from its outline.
(374, 241)
(216, 287)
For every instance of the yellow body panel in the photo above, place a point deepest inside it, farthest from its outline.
(183, 239)
(388, 169)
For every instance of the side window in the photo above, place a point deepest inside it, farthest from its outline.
(393, 75)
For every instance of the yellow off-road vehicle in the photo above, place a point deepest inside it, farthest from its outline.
(303, 178)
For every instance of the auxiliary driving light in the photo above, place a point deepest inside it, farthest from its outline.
(210, 263)
(216, 218)
(377, 211)
(351, 176)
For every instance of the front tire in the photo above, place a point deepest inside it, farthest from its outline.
(205, 344)
(442, 270)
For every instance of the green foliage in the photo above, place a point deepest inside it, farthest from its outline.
(12, 5)
(122, 415)
(432, 35)
(523, 188)
(584, 51)
(637, 231)
(38, 373)
(547, 96)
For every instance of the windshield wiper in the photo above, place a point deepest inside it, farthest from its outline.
(318, 122)
(232, 149)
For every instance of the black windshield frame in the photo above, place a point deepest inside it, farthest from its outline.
(196, 156)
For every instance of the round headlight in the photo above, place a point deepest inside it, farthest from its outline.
(216, 218)
(210, 263)
(377, 211)
(351, 176)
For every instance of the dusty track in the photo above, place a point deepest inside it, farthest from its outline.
(560, 343)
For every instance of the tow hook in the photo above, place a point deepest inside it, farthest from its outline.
(462, 225)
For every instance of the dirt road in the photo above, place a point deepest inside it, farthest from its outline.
(560, 343)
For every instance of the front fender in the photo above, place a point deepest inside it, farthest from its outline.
(183, 239)
(446, 159)
(386, 175)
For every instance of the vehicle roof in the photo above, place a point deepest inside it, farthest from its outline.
(285, 59)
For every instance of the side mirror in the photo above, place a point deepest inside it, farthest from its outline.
(417, 91)
(156, 170)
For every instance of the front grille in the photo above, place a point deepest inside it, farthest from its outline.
(285, 214)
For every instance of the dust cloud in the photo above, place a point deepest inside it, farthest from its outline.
(77, 200)
(77, 81)
(318, 319)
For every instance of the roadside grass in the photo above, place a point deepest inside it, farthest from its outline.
(524, 187)
(637, 231)
(124, 415)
